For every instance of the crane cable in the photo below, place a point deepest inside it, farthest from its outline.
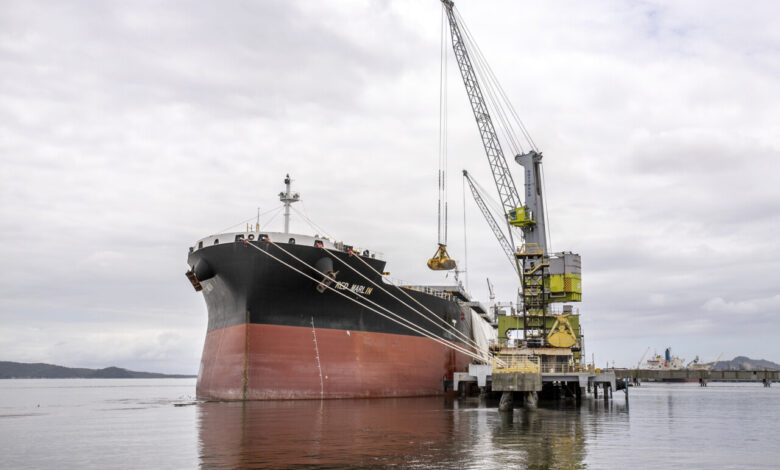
(501, 104)
(547, 230)
(490, 203)
(317, 228)
(442, 205)
(492, 80)
(247, 220)
(479, 63)
(465, 240)
(408, 324)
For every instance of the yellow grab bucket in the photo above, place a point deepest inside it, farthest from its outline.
(441, 261)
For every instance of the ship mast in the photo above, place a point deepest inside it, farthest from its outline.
(288, 197)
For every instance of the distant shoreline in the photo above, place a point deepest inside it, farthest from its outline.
(21, 370)
(98, 378)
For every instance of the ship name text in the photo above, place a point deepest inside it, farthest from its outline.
(356, 288)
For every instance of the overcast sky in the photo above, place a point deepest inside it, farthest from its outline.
(128, 130)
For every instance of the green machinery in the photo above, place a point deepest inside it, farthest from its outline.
(543, 331)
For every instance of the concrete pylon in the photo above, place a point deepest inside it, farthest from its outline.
(531, 400)
(507, 402)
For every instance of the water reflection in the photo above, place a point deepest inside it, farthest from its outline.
(406, 433)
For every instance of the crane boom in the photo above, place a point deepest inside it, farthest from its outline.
(545, 277)
(507, 191)
(712, 367)
(502, 240)
(639, 364)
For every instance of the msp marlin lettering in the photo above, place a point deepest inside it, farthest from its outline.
(356, 288)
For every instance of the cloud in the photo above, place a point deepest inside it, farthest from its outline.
(768, 306)
(130, 130)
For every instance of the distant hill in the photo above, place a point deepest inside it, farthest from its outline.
(20, 370)
(745, 363)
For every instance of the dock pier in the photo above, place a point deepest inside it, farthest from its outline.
(702, 376)
(527, 383)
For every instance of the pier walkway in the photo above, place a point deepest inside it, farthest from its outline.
(695, 375)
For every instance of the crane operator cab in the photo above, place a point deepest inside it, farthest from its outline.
(521, 217)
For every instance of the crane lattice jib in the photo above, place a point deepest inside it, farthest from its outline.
(502, 240)
(503, 178)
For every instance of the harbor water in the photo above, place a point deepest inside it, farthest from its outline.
(157, 423)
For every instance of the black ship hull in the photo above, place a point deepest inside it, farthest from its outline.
(275, 333)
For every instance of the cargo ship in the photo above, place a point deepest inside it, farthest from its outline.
(665, 362)
(295, 316)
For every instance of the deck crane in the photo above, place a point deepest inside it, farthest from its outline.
(545, 278)
(639, 364)
(492, 294)
(712, 367)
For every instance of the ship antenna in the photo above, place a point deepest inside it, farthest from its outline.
(287, 197)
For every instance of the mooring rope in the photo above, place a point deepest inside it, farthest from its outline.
(457, 331)
(432, 334)
(403, 291)
(411, 326)
(469, 340)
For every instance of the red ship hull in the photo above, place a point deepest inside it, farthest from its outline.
(269, 362)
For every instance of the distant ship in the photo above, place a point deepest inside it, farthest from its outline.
(665, 362)
(669, 362)
(293, 316)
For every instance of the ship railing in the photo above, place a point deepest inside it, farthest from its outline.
(558, 310)
(362, 251)
(530, 249)
(367, 253)
(498, 343)
(566, 368)
(428, 290)
(515, 363)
